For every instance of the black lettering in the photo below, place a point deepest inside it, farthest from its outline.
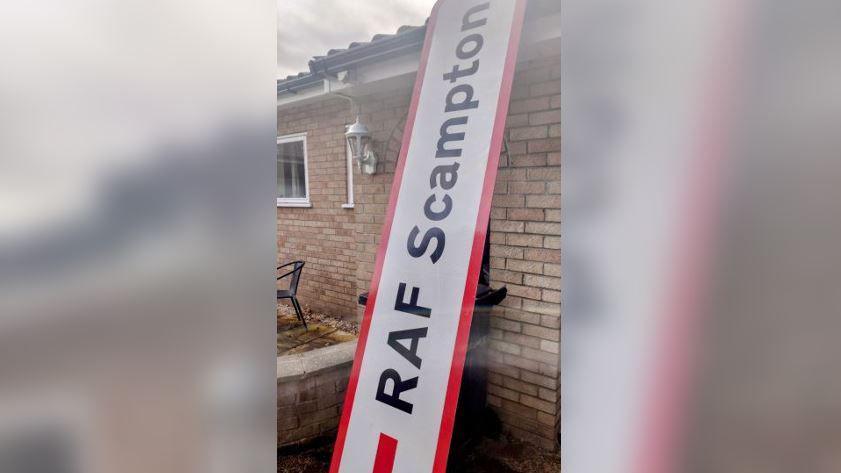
(418, 251)
(447, 176)
(437, 216)
(466, 103)
(476, 39)
(468, 24)
(446, 137)
(458, 72)
(400, 386)
(411, 353)
(412, 307)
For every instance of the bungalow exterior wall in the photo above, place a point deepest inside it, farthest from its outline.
(339, 244)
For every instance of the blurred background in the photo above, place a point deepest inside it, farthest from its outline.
(701, 271)
(136, 247)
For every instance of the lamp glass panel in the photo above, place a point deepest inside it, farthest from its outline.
(366, 144)
(353, 141)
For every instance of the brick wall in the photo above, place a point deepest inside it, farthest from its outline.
(339, 245)
(323, 236)
(309, 403)
(524, 383)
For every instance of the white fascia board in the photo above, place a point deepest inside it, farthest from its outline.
(381, 75)
(302, 96)
(400, 71)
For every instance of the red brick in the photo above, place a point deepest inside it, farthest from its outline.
(522, 340)
(506, 251)
(528, 133)
(542, 201)
(505, 347)
(522, 363)
(509, 201)
(521, 316)
(538, 404)
(551, 347)
(497, 262)
(528, 160)
(511, 302)
(524, 291)
(514, 121)
(511, 175)
(546, 88)
(540, 380)
(521, 387)
(550, 311)
(552, 270)
(507, 226)
(547, 419)
(543, 228)
(527, 187)
(503, 393)
(553, 320)
(549, 295)
(529, 105)
(520, 410)
(507, 325)
(542, 332)
(544, 146)
(516, 239)
(544, 174)
(534, 267)
(507, 276)
(535, 215)
(545, 118)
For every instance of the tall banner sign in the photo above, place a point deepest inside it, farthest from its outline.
(401, 400)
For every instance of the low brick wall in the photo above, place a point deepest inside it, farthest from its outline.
(310, 392)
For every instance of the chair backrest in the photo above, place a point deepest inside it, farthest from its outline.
(296, 276)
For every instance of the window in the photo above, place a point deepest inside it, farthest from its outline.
(292, 178)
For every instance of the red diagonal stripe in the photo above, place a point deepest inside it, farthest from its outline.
(386, 450)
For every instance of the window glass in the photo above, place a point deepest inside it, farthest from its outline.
(291, 170)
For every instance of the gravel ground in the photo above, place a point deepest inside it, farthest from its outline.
(344, 325)
(509, 456)
(504, 455)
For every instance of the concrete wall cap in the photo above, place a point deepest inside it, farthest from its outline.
(301, 365)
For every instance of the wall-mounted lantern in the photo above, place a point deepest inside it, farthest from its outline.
(359, 140)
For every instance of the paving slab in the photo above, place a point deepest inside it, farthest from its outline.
(293, 338)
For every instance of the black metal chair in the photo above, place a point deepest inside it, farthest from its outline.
(291, 293)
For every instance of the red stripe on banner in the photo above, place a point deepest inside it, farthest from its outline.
(386, 451)
(677, 346)
(353, 381)
(463, 335)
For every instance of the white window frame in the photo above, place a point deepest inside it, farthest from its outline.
(349, 203)
(298, 201)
